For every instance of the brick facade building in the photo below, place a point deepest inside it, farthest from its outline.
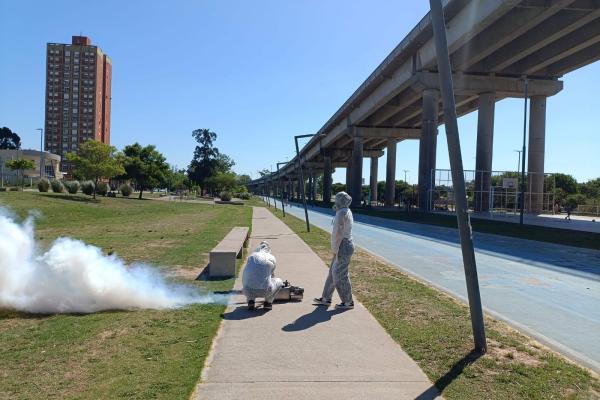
(78, 95)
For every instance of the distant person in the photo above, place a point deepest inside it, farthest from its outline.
(343, 248)
(258, 279)
(568, 209)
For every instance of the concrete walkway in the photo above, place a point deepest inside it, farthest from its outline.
(300, 351)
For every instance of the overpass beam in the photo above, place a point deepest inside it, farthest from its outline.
(485, 144)
(356, 170)
(373, 179)
(390, 173)
(535, 155)
(327, 179)
(428, 146)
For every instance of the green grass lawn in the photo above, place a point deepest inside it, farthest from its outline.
(435, 330)
(131, 355)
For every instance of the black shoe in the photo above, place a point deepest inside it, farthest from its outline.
(251, 306)
(267, 305)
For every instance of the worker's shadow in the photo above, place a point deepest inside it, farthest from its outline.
(318, 315)
(242, 312)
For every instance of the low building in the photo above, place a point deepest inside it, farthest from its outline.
(51, 165)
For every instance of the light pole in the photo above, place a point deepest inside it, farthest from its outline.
(273, 189)
(405, 171)
(302, 177)
(279, 181)
(42, 166)
(519, 162)
(458, 179)
(523, 159)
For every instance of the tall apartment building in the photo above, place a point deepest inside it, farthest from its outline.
(78, 95)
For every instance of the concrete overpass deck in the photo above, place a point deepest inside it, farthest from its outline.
(496, 46)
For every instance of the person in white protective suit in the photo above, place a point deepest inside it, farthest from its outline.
(342, 248)
(259, 279)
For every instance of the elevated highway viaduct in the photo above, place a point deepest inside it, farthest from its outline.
(497, 48)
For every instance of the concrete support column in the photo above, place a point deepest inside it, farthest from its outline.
(428, 145)
(356, 171)
(536, 153)
(485, 145)
(373, 179)
(390, 173)
(313, 188)
(349, 176)
(327, 180)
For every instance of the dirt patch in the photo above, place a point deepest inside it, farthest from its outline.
(506, 354)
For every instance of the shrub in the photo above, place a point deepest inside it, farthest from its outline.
(87, 187)
(14, 189)
(102, 189)
(72, 186)
(43, 185)
(57, 186)
(244, 196)
(225, 196)
(125, 190)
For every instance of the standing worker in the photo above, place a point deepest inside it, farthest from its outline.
(342, 247)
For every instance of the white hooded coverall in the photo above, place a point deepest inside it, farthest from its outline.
(258, 278)
(343, 248)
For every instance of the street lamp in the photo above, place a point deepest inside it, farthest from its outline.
(41, 150)
(405, 171)
(302, 176)
(519, 160)
(279, 181)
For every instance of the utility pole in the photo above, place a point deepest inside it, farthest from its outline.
(302, 177)
(279, 180)
(458, 179)
(523, 158)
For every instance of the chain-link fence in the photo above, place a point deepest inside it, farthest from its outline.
(495, 191)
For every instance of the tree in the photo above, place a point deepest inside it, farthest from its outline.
(566, 183)
(205, 154)
(264, 172)
(146, 166)
(243, 181)
(177, 179)
(20, 165)
(591, 189)
(96, 160)
(9, 140)
(223, 163)
(222, 181)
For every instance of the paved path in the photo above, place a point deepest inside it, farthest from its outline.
(299, 351)
(550, 291)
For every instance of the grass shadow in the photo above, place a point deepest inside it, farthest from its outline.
(457, 369)
(74, 198)
(14, 314)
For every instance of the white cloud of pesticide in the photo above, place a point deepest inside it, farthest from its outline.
(72, 277)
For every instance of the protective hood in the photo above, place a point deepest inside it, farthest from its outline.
(263, 246)
(342, 200)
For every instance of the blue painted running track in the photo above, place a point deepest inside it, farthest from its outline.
(550, 291)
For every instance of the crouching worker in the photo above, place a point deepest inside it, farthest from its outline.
(259, 277)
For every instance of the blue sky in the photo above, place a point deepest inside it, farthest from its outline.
(257, 73)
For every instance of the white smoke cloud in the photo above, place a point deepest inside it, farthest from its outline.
(72, 277)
